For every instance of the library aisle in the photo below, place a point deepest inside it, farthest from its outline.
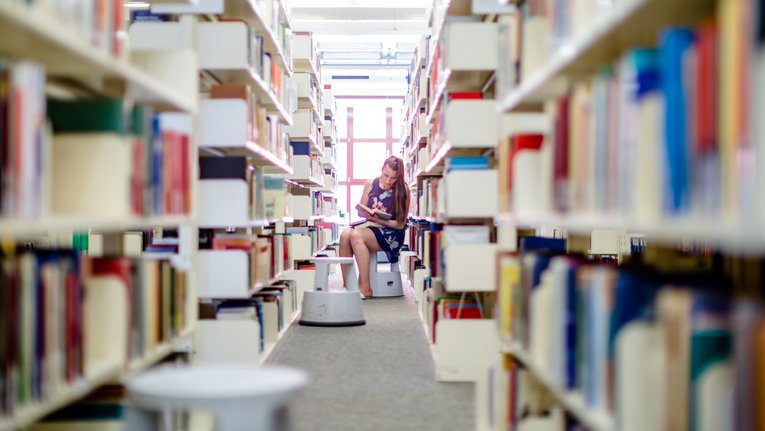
(379, 376)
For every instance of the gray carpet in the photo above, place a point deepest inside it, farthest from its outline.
(375, 377)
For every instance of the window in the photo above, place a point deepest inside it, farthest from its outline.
(368, 158)
(360, 155)
(342, 162)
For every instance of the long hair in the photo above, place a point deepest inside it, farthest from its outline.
(400, 189)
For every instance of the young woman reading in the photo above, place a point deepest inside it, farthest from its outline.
(389, 194)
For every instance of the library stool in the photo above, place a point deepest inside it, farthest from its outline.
(241, 397)
(339, 308)
(384, 283)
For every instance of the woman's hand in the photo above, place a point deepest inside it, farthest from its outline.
(378, 220)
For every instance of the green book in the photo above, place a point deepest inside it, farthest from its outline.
(88, 115)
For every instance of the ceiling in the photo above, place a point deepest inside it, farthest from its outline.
(364, 45)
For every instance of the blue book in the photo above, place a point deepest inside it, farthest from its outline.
(157, 167)
(466, 163)
(301, 148)
(675, 45)
(529, 243)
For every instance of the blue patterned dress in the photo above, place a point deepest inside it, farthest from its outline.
(390, 240)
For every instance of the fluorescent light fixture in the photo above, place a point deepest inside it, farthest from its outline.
(347, 55)
(137, 5)
(360, 46)
(352, 62)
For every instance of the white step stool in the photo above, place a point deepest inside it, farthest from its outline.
(386, 283)
(340, 308)
(241, 397)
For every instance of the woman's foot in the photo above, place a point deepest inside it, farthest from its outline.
(366, 293)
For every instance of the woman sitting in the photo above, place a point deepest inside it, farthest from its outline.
(389, 194)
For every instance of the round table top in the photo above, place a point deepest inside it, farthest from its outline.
(217, 381)
(332, 259)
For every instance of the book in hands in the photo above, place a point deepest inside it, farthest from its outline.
(381, 214)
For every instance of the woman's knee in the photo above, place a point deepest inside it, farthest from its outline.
(346, 235)
(357, 237)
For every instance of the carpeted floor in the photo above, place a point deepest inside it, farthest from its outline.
(375, 377)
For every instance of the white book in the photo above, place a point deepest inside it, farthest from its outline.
(237, 313)
(639, 376)
(649, 158)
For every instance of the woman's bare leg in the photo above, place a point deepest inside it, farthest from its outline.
(364, 242)
(345, 251)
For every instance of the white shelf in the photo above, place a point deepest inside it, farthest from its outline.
(232, 64)
(740, 237)
(58, 224)
(438, 95)
(30, 34)
(437, 160)
(305, 65)
(248, 11)
(572, 402)
(29, 414)
(270, 348)
(260, 156)
(631, 23)
(162, 351)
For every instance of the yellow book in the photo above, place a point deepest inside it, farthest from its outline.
(509, 278)
(730, 14)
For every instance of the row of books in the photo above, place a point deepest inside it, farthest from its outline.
(266, 195)
(97, 23)
(305, 164)
(263, 129)
(528, 39)
(120, 158)
(266, 66)
(23, 139)
(51, 330)
(260, 250)
(277, 23)
(589, 327)
(103, 157)
(681, 110)
(271, 308)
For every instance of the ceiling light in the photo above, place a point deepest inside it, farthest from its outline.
(361, 46)
(351, 55)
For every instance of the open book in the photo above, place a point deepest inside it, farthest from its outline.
(383, 215)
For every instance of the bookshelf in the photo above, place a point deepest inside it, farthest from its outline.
(70, 223)
(104, 373)
(630, 23)
(101, 374)
(572, 402)
(260, 156)
(748, 240)
(249, 11)
(30, 34)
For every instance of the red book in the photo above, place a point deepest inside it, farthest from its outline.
(185, 174)
(118, 27)
(706, 87)
(120, 268)
(561, 145)
(523, 143)
(139, 175)
(232, 244)
(466, 95)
